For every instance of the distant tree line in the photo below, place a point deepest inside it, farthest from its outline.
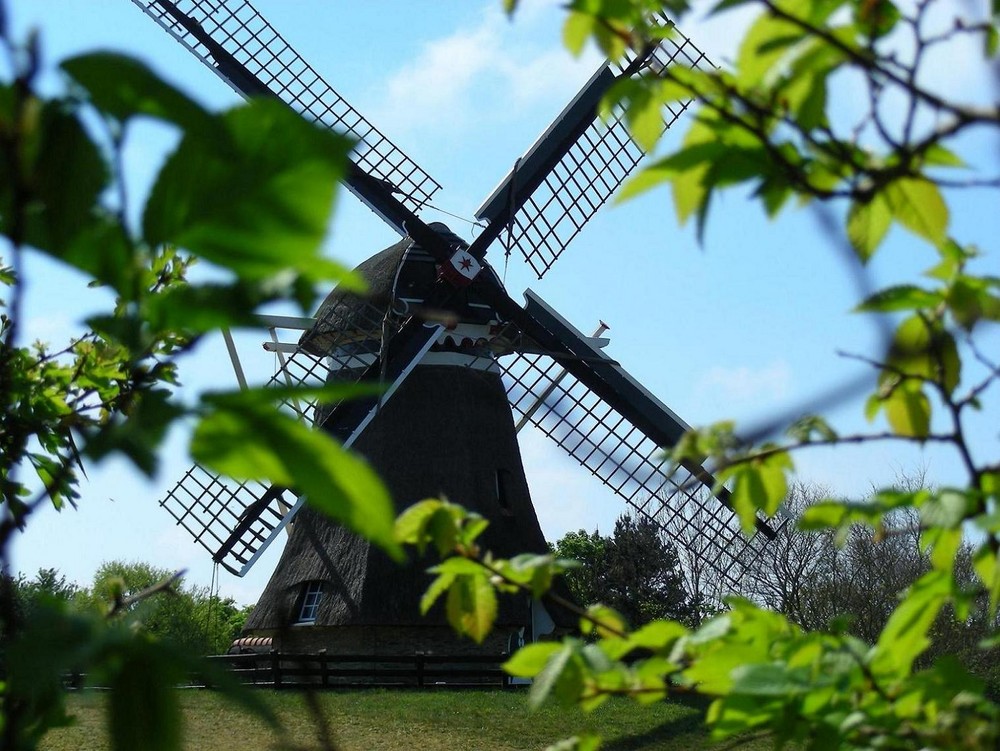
(825, 580)
(852, 581)
(190, 617)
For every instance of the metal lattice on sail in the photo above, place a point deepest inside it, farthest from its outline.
(234, 520)
(590, 172)
(628, 462)
(238, 30)
(212, 509)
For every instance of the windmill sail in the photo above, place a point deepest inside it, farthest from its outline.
(240, 46)
(576, 165)
(353, 339)
(615, 428)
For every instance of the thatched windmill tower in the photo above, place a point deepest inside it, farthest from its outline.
(458, 356)
(448, 431)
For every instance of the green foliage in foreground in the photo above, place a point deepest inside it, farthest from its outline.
(770, 124)
(399, 720)
(248, 191)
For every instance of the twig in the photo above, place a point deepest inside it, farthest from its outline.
(166, 585)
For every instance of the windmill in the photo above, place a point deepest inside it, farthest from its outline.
(464, 365)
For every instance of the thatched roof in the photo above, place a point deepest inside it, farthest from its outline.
(344, 311)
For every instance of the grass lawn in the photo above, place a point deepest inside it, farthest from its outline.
(404, 720)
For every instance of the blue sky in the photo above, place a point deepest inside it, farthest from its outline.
(748, 324)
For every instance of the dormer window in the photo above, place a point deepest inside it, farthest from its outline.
(310, 602)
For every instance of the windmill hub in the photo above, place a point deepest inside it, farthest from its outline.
(402, 282)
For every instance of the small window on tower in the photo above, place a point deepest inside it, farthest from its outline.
(503, 492)
(310, 602)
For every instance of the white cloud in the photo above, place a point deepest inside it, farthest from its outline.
(744, 384)
(443, 75)
(487, 73)
(536, 79)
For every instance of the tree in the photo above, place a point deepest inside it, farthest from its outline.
(191, 618)
(634, 570)
(47, 587)
(816, 580)
(643, 581)
(770, 124)
(588, 550)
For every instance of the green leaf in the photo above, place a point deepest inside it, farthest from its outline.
(759, 484)
(471, 526)
(284, 171)
(938, 155)
(867, 224)
(900, 297)
(991, 42)
(923, 349)
(472, 605)
(645, 119)
(810, 428)
(908, 411)
(245, 439)
(947, 508)
(905, 635)
(137, 433)
(411, 525)
(143, 708)
(530, 659)
(123, 87)
(657, 635)
(576, 31)
(65, 174)
(459, 566)
(764, 45)
(685, 170)
(442, 530)
(969, 301)
(877, 17)
(438, 587)
(768, 679)
(724, 5)
(987, 565)
(943, 545)
(712, 672)
(102, 249)
(558, 663)
(605, 621)
(204, 308)
(917, 204)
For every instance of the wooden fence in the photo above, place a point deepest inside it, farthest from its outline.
(283, 670)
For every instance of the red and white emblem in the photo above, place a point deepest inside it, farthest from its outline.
(461, 269)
